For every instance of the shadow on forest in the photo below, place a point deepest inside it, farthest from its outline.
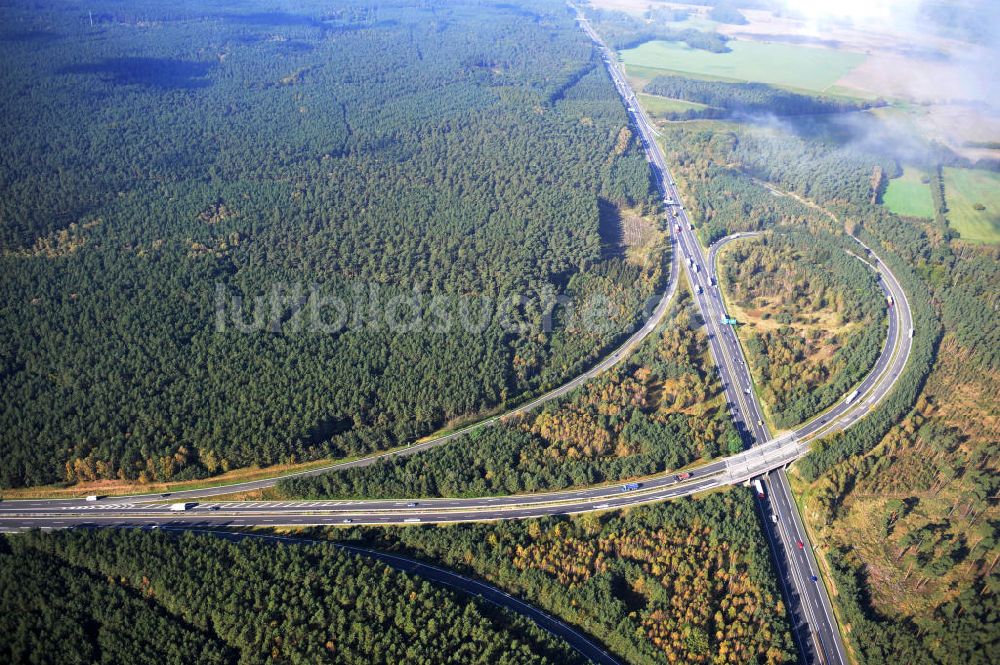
(611, 229)
(273, 18)
(164, 73)
(27, 36)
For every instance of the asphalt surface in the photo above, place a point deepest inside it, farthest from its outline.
(768, 454)
(772, 453)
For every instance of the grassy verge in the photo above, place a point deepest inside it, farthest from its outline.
(125, 488)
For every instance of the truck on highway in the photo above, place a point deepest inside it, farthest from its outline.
(850, 398)
(760, 488)
(181, 507)
(93, 497)
(911, 333)
(630, 487)
(683, 476)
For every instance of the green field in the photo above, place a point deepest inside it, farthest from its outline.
(907, 195)
(800, 67)
(656, 105)
(963, 189)
(694, 22)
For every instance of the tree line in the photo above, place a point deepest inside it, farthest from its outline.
(660, 410)
(152, 597)
(830, 314)
(686, 581)
(461, 150)
(735, 99)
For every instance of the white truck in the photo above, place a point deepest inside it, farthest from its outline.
(181, 507)
(757, 486)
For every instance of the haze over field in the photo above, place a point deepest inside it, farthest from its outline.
(500, 331)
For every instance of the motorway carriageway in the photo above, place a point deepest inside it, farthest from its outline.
(775, 453)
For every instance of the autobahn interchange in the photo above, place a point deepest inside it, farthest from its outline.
(767, 454)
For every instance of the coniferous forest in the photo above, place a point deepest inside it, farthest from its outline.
(186, 189)
(153, 597)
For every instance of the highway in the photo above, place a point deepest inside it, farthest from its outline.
(765, 458)
(815, 628)
(771, 453)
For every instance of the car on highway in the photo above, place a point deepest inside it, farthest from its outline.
(630, 487)
(214, 508)
(412, 504)
(814, 578)
(802, 545)
(774, 518)
(348, 520)
(684, 476)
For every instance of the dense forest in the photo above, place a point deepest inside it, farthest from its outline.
(908, 503)
(689, 581)
(660, 410)
(812, 319)
(130, 596)
(735, 99)
(903, 504)
(621, 30)
(227, 234)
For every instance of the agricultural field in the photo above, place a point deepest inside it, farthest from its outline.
(801, 67)
(973, 199)
(910, 195)
(658, 106)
